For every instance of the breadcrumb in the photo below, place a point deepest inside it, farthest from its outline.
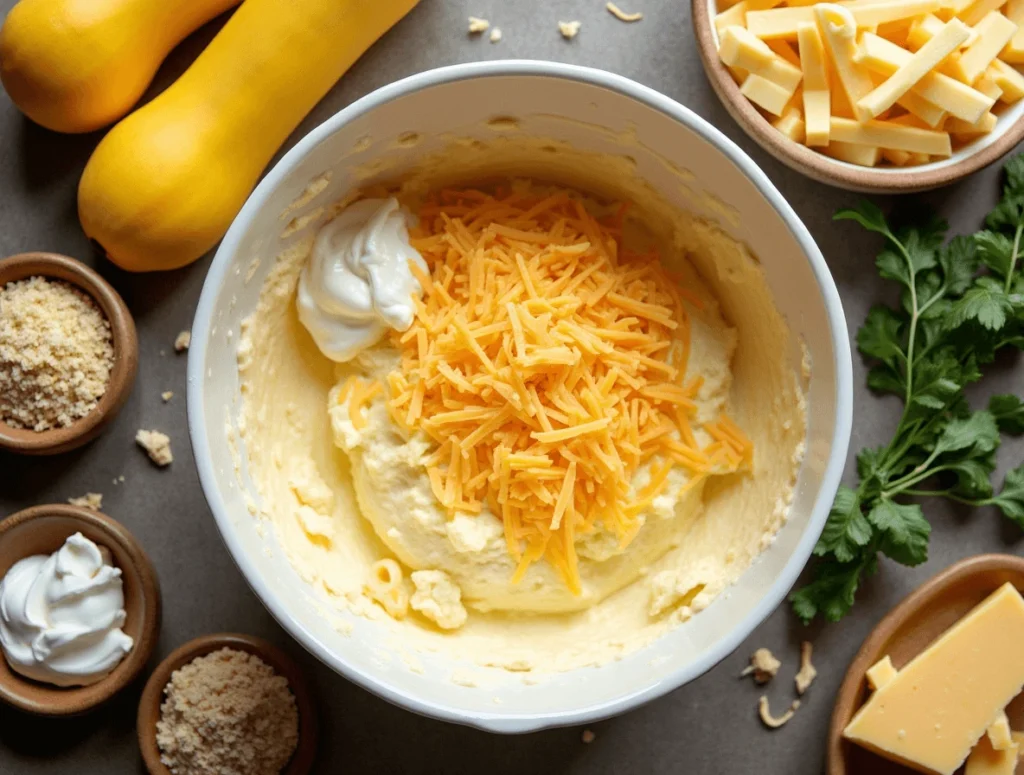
(229, 713)
(774, 722)
(56, 354)
(587, 736)
(621, 15)
(807, 673)
(763, 665)
(477, 24)
(91, 500)
(495, 35)
(182, 342)
(167, 395)
(157, 446)
(569, 30)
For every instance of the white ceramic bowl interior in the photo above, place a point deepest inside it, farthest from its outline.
(1008, 118)
(725, 186)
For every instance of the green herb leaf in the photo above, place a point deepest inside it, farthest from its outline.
(880, 335)
(904, 531)
(977, 433)
(986, 302)
(1009, 413)
(1010, 499)
(959, 261)
(832, 592)
(867, 215)
(996, 250)
(846, 530)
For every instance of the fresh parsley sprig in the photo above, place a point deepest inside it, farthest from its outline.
(961, 302)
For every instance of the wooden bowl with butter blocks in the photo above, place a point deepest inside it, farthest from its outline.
(908, 631)
(938, 91)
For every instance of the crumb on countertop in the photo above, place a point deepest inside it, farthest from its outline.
(91, 500)
(157, 446)
(476, 24)
(763, 665)
(569, 30)
(774, 722)
(623, 16)
(495, 35)
(182, 341)
(587, 736)
(807, 673)
(167, 395)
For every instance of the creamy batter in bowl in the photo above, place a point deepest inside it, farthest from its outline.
(282, 489)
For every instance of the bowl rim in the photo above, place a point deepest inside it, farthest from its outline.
(221, 265)
(124, 341)
(818, 166)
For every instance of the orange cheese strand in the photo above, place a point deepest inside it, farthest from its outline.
(548, 364)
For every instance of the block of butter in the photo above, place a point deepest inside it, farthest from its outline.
(933, 711)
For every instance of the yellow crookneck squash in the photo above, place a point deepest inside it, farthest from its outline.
(78, 65)
(164, 185)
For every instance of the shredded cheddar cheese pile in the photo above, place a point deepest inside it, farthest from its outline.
(549, 365)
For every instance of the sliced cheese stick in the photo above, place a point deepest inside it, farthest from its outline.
(783, 22)
(926, 27)
(862, 155)
(1010, 82)
(896, 158)
(956, 98)
(994, 32)
(987, 86)
(961, 128)
(886, 134)
(977, 11)
(838, 31)
(765, 94)
(739, 48)
(1014, 51)
(817, 99)
(920, 64)
(791, 124)
(919, 107)
(734, 16)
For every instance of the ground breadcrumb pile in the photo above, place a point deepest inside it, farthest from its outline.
(227, 713)
(56, 353)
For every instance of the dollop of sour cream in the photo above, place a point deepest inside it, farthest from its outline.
(357, 283)
(61, 615)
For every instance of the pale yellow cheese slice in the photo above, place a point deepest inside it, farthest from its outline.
(957, 98)
(986, 760)
(942, 702)
(965, 130)
(817, 100)
(882, 672)
(739, 48)
(999, 734)
(889, 134)
(920, 64)
(924, 28)
(765, 94)
(783, 22)
(791, 124)
(994, 32)
(861, 155)
(1010, 82)
(1014, 51)
(930, 114)
(734, 16)
(838, 31)
(977, 11)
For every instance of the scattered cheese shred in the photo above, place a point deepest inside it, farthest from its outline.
(621, 15)
(547, 363)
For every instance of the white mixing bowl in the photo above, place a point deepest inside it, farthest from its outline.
(726, 186)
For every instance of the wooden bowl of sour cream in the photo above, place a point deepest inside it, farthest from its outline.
(43, 530)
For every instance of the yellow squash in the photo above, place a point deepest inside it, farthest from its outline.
(164, 185)
(78, 65)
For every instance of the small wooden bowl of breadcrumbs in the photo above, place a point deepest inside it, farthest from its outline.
(227, 703)
(68, 353)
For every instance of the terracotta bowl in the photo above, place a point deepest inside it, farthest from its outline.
(126, 353)
(881, 180)
(43, 530)
(904, 633)
(153, 695)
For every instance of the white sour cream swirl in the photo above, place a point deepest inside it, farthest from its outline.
(357, 283)
(61, 615)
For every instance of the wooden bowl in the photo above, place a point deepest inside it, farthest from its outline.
(43, 530)
(153, 695)
(126, 353)
(904, 633)
(824, 169)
